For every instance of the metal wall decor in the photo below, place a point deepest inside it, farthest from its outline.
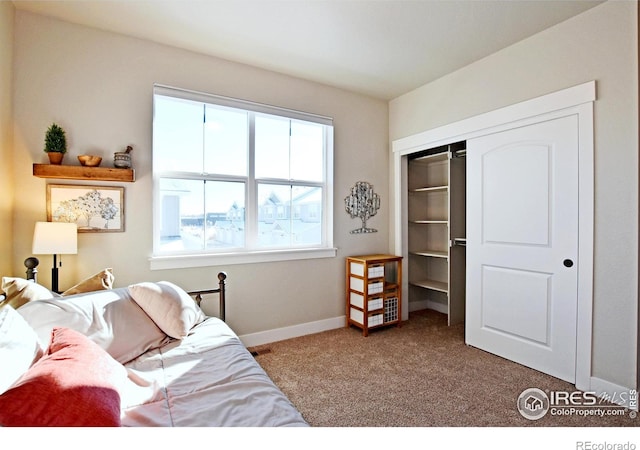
(362, 203)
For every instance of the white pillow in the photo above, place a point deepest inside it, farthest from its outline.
(170, 307)
(110, 318)
(19, 347)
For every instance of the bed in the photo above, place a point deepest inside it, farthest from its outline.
(145, 355)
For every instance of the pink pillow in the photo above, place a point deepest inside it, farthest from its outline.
(75, 384)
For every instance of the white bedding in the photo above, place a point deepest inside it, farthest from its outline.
(183, 369)
(206, 379)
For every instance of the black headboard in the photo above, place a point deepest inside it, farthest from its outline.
(32, 262)
(197, 295)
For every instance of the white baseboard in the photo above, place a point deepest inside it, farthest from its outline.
(280, 334)
(613, 392)
(440, 307)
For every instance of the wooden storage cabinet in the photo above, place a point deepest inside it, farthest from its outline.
(373, 294)
(436, 213)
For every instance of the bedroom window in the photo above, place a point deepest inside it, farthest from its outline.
(236, 181)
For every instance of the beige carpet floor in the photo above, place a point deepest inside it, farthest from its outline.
(418, 375)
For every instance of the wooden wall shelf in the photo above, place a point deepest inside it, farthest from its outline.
(83, 173)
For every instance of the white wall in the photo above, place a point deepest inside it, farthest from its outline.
(98, 86)
(600, 44)
(6, 153)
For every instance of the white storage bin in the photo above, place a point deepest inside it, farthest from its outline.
(376, 271)
(356, 299)
(376, 319)
(357, 284)
(375, 303)
(357, 269)
(375, 287)
(357, 316)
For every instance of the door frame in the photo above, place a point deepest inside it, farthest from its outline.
(577, 100)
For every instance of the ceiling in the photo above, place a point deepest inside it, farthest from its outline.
(381, 48)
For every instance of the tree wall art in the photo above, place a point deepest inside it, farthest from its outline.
(92, 208)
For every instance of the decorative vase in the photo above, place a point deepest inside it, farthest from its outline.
(122, 160)
(55, 157)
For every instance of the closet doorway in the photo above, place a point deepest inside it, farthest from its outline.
(501, 315)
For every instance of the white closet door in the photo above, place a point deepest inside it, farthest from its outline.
(522, 245)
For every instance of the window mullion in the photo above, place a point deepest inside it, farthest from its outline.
(251, 210)
(290, 200)
(289, 162)
(204, 182)
(204, 213)
(204, 136)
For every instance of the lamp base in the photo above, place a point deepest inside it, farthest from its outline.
(54, 275)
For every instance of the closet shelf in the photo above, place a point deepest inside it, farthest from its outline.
(432, 253)
(430, 159)
(432, 284)
(429, 221)
(431, 189)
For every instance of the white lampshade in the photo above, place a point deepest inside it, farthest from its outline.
(55, 238)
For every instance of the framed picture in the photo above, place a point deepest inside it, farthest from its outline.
(95, 209)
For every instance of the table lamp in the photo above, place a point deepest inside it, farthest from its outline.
(55, 238)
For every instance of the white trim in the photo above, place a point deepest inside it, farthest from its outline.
(303, 329)
(586, 217)
(187, 261)
(221, 100)
(612, 392)
(576, 100)
(401, 241)
(503, 118)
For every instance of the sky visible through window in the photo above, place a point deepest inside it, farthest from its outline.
(220, 147)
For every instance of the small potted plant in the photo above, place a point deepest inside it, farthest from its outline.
(55, 143)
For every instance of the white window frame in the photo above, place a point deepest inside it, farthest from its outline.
(160, 261)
